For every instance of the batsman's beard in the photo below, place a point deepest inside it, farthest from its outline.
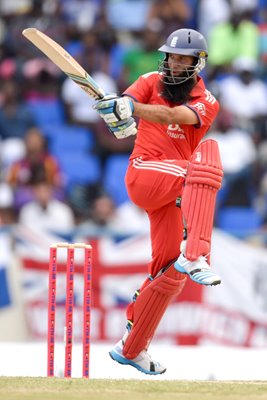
(179, 93)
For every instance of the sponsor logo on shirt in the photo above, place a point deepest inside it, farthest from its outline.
(200, 107)
(175, 132)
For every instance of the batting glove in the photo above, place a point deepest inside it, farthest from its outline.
(123, 129)
(115, 109)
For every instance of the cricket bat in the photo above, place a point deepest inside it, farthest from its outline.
(65, 62)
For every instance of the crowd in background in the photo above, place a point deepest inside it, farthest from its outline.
(116, 41)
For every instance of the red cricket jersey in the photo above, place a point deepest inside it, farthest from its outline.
(163, 141)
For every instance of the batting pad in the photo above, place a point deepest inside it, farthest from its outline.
(203, 180)
(149, 308)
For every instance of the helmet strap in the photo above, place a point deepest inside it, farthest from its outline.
(200, 65)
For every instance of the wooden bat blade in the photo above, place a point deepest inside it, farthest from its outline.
(60, 57)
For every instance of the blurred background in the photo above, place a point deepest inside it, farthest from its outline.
(62, 173)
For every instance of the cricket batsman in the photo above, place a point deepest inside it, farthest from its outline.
(169, 161)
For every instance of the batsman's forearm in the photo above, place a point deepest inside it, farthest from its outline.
(155, 113)
(165, 115)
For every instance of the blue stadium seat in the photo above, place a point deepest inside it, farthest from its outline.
(80, 169)
(47, 112)
(115, 170)
(240, 221)
(69, 138)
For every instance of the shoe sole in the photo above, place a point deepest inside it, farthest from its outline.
(183, 271)
(125, 361)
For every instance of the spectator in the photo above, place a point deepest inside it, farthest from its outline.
(238, 154)
(128, 15)
(171, 14)
(233, 39)
(8, 69)
(11, 150)
(80, 13)
(144, 57)
(212, 13)
(8, 7)
(77, 103)
(15, 116)
(105, 218)
(112, 50)
(245, 95)
(37, 164)
(7, 214)
(101, 213)
(45, 213)
(40, 80)
(97, 49)
(38, 14)
(131, 219)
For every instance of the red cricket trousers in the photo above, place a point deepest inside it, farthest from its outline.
(154, 186)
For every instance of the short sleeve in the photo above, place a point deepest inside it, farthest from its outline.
(142, 88)
(206, 108)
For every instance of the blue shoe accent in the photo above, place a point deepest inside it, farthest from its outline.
(179, 268)
(204, 277)
(198, 270)
(125, 361)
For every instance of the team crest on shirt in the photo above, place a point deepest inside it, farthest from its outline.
(175, 131)
(200, 107)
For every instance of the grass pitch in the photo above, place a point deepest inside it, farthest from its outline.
(105, 389)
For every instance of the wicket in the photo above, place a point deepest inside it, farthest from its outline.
(68, 331)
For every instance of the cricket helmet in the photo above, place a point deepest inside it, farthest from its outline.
(186, 42)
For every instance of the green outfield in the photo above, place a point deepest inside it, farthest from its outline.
(105, 389)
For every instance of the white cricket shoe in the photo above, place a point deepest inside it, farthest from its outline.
(199, 270)
(143, 362)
